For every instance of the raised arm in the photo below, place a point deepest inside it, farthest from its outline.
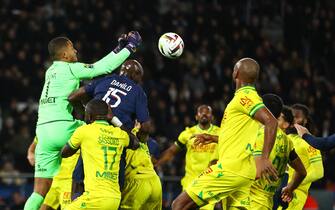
(326, 143)
(108, 63)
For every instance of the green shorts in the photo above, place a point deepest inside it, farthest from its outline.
(51, 139)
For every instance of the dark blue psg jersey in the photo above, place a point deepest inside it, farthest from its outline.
(126, 98)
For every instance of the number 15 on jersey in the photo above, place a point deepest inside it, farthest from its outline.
(114, 93)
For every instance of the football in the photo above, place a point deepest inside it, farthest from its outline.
(171, 45)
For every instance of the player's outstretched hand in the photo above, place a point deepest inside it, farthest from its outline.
(134, 40)
(287, 194)
(265, 169)
(301, 129)
(202, 139)
(122, 42)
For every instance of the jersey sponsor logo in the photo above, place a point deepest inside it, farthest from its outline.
(40, 169)
(247, 102)
(49, 100)
(312, 151)
(207, 171)
(111, 176)
(90, 66)
(203, 148)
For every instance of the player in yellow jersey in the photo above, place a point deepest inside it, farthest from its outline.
(142, 188)
(231, 177)
(310, 157)
(101, 146)
(198, 157)
(59, 194)
(283, 153)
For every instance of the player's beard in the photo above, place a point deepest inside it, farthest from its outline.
(204, 121)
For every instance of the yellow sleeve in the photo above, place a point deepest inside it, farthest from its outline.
(259, 143)
(249, 102)
(290, 144)
(35, 140)
(315, 169)
(182, 138)
(76, 138)
(124, 135)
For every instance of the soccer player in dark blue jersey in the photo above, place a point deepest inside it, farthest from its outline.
(122, 92)
(126, 98)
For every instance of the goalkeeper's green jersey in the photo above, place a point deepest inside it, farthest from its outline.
(62, 78)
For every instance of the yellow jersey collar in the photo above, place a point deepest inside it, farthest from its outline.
(208, 130)
(247, 87)
(103, 122)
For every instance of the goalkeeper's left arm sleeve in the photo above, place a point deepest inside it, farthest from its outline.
(104, 66)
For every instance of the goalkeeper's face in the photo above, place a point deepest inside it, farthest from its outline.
(70, 53)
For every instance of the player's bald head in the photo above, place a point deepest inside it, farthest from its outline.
(247, 70)
(56, 47)
(204, 106)
(96, 110)
(133, 69)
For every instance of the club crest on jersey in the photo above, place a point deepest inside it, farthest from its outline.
(90, 66)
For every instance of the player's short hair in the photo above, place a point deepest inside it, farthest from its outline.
(204, 106)
(97, 107)
(287, 114)
(55, 46)
(303, 108)
(274, 103)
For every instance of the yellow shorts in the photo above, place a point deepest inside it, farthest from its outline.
(298, 201)
(142, 192)
(91, 202)
(186, 182)
(260, 200)
(59, 193)
(215, 184)
(257, 206)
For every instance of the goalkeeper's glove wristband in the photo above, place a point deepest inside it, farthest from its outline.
(134, 41)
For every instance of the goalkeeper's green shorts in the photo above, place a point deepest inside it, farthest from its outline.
(51, 139)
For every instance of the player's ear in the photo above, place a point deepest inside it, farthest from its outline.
(286, 125)
(196, 117)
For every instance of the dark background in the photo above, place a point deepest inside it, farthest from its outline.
(292, 40)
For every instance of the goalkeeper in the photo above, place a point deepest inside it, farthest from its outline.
(55, 123)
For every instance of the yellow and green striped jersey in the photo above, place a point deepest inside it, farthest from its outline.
(239, 131)
(197, 156)
(101, 147)
(261, 190)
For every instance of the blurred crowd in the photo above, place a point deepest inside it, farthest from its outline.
(294, 42)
